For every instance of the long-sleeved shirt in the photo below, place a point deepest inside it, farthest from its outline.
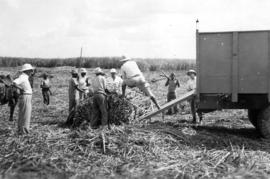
(99, 84)
(23, 82)
(73, 92)
(82, 83)
(191, 84)
(130, 69)
(115, 84)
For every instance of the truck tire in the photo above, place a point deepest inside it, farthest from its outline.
(263, 122)
(253, 116)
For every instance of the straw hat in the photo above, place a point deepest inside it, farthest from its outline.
(125, 59)
(27, 67)
(83, 70)
(98, 70)
(191, 71)
(113, 70)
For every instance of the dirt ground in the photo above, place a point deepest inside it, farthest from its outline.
(224, 145)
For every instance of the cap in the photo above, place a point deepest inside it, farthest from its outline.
(113, 70)
(191, 71)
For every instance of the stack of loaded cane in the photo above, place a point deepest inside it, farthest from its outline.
(120, 110)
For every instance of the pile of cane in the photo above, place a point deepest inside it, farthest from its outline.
(120, 110)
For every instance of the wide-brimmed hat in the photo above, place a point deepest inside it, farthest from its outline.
(113, 70)
(191, 71)
(73, 71)
(27, 67)
(125, 59)
(83, 70)
(98, 70)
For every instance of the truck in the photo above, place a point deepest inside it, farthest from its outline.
(233, 72)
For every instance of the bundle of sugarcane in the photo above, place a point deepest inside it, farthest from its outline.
(120, 110)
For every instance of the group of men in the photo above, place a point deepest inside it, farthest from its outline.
(80, 86)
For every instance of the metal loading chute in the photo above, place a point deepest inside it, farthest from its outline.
(169, 105)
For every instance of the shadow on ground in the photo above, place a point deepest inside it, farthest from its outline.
(213, 137)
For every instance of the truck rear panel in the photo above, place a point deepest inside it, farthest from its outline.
(233, 63)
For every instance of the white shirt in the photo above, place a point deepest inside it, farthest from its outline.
(23, 82)
(130, 69)
(115, 84)
(82, 83)
(191, 84)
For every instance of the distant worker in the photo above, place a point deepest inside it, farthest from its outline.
(172, 84)
(25, 100)
(31, 77)
(191, 85)
(99, 100)
(74, 90)
(115, 82)
(133, 77)
(83, 84)
(46, 91)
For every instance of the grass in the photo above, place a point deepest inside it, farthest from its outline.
(225, 145)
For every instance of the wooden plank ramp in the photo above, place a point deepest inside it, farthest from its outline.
(169, 105)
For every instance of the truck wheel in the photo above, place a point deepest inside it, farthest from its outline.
(253, 116)
(263, 122)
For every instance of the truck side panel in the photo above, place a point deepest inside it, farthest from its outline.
(253, 62)
(221, 64)
(215, 56)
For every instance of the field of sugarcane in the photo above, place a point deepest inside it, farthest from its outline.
(224, 145)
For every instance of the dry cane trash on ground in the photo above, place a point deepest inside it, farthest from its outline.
(224, 146)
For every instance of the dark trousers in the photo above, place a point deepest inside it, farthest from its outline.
(193, 107)
(171, 96)
(46, 96)
(100, 113)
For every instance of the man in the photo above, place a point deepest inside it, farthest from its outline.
(99, 100)
(46, 91)
(74, 90)
(191, 85)
(133, 77)
(25, 99)
(172, 84)
(115, 82)
(83, 84)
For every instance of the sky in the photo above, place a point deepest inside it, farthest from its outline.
(134, 28)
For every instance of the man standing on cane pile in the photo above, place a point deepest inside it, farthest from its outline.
(133, 77)
(100, 101)
(25, 99)
(191, 85)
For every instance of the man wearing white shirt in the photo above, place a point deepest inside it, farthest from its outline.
(82, 82)
(25, 99)
(191, 85)
(116, 82)
(133, 77)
